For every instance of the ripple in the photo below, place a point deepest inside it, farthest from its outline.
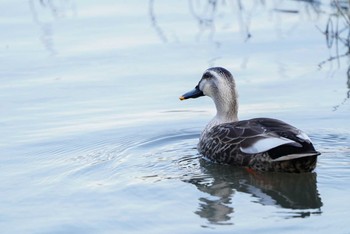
(126, 160)
(332, 141)
(143, 161)
(173, 155)
(333, 165)
(169, 157)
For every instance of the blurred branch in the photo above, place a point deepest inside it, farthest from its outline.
(337, 33)
(45, 13)
(340, 9)
(154, 22)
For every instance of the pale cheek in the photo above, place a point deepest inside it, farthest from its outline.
(203, 87)
(207, 90)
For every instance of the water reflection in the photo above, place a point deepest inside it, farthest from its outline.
(337, 36)
(45, 13)
(214, 16)
(296, 194)
(154, 22)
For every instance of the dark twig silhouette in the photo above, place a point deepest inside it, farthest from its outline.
(40, 9)
(337, 34)
(154, 22)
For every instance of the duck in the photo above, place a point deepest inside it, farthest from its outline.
(259, 144)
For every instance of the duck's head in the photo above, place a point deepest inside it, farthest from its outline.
(217, 83)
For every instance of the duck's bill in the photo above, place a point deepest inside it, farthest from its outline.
(196, 92)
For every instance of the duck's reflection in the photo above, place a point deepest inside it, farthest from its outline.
(295, 194)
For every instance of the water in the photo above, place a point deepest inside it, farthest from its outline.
(95, 140)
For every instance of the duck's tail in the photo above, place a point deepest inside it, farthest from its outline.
(295, 163)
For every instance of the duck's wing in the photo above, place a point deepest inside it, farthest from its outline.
(257, 136)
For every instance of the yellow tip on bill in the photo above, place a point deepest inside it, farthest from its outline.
(182, 98)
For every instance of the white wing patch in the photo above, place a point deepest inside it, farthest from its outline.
(294, 156)
(266, 144)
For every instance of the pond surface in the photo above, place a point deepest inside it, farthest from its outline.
(95, 140)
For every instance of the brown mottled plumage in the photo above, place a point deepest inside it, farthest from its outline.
(262, 143)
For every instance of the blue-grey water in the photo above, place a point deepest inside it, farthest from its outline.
(95, 140)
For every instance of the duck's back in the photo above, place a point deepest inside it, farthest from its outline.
(261, 143)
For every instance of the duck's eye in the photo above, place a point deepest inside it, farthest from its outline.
(206, 75)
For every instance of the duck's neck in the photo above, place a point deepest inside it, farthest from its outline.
(226, 113)
(226, 110)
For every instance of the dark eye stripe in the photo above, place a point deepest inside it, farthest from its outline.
(207, 75)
